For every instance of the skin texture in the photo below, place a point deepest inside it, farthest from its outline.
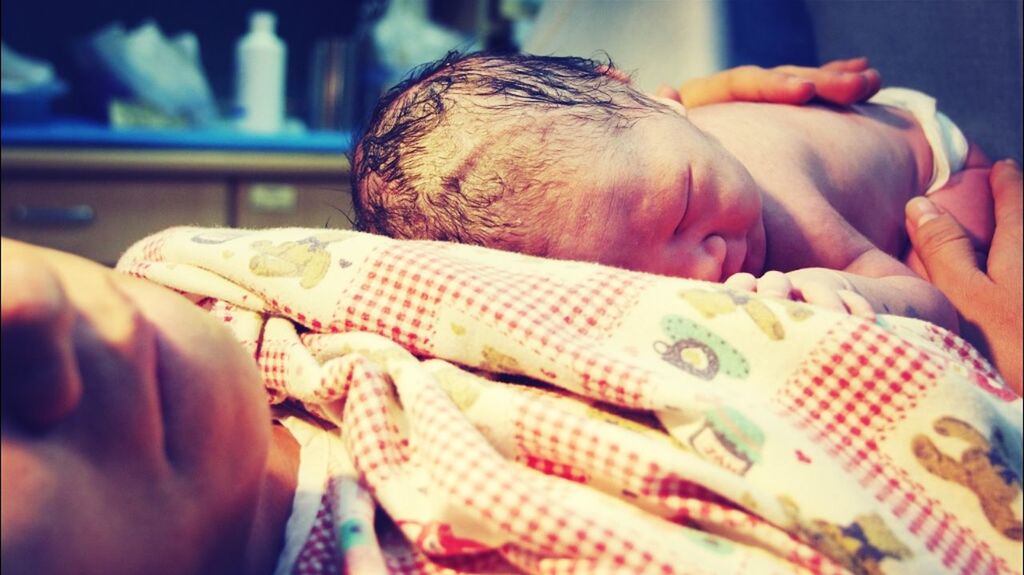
(989, 297)
(135, 431)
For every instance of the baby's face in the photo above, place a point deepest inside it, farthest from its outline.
(665, 198)
(135, 429)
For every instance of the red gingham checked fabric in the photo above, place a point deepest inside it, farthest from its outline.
(860, 385)
(476, 474)
(986, 375)
(405, 286)
(566, 445)
(853, 390)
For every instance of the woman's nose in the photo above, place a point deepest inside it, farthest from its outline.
(40, 380)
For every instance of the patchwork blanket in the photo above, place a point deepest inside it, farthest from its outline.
(501, 413)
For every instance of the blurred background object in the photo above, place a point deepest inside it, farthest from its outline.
(406, 37)
(48, 29)
(145, 78)
(28, 88)
(967, 54)
(329, 108)
(365, 45)
(260, 73)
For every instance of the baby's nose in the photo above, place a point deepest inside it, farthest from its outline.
(40, 379)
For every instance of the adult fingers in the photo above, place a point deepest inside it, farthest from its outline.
(945, 250)
(837, 86)
(1007, 189)
(874, 83)
(858, 64)
(666, 91)
(747, 84)
(841, 82)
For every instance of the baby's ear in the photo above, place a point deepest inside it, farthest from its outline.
(614, 73)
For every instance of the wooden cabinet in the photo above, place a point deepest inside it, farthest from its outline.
(266, 203)
(100, 218)
(96, 203)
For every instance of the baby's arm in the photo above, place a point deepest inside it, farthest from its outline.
(891, 287)
(874, 282)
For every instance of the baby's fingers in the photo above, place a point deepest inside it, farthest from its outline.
(741, 282)
(775, 284)
(821, 295)
(856, 304)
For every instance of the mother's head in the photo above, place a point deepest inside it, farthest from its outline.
(135, 428)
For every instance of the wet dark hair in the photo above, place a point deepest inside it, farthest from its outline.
(399, 189)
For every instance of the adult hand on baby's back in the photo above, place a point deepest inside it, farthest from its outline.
(842, 82)
(990, 300)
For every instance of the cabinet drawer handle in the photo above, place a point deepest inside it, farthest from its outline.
(70, 216)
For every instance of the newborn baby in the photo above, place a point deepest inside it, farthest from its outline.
(559, 157)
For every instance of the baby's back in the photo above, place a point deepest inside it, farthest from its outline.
(832, 178)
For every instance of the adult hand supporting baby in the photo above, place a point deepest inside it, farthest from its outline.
(842, 82)
(989, 302)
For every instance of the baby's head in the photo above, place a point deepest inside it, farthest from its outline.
(551, 156)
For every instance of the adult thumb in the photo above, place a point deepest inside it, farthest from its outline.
(942, 246)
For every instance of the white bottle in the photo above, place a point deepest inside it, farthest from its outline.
(260, 59)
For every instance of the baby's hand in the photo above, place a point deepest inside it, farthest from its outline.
(819, 286)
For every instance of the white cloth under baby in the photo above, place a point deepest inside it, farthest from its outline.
(317, 447)
(949, 145)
